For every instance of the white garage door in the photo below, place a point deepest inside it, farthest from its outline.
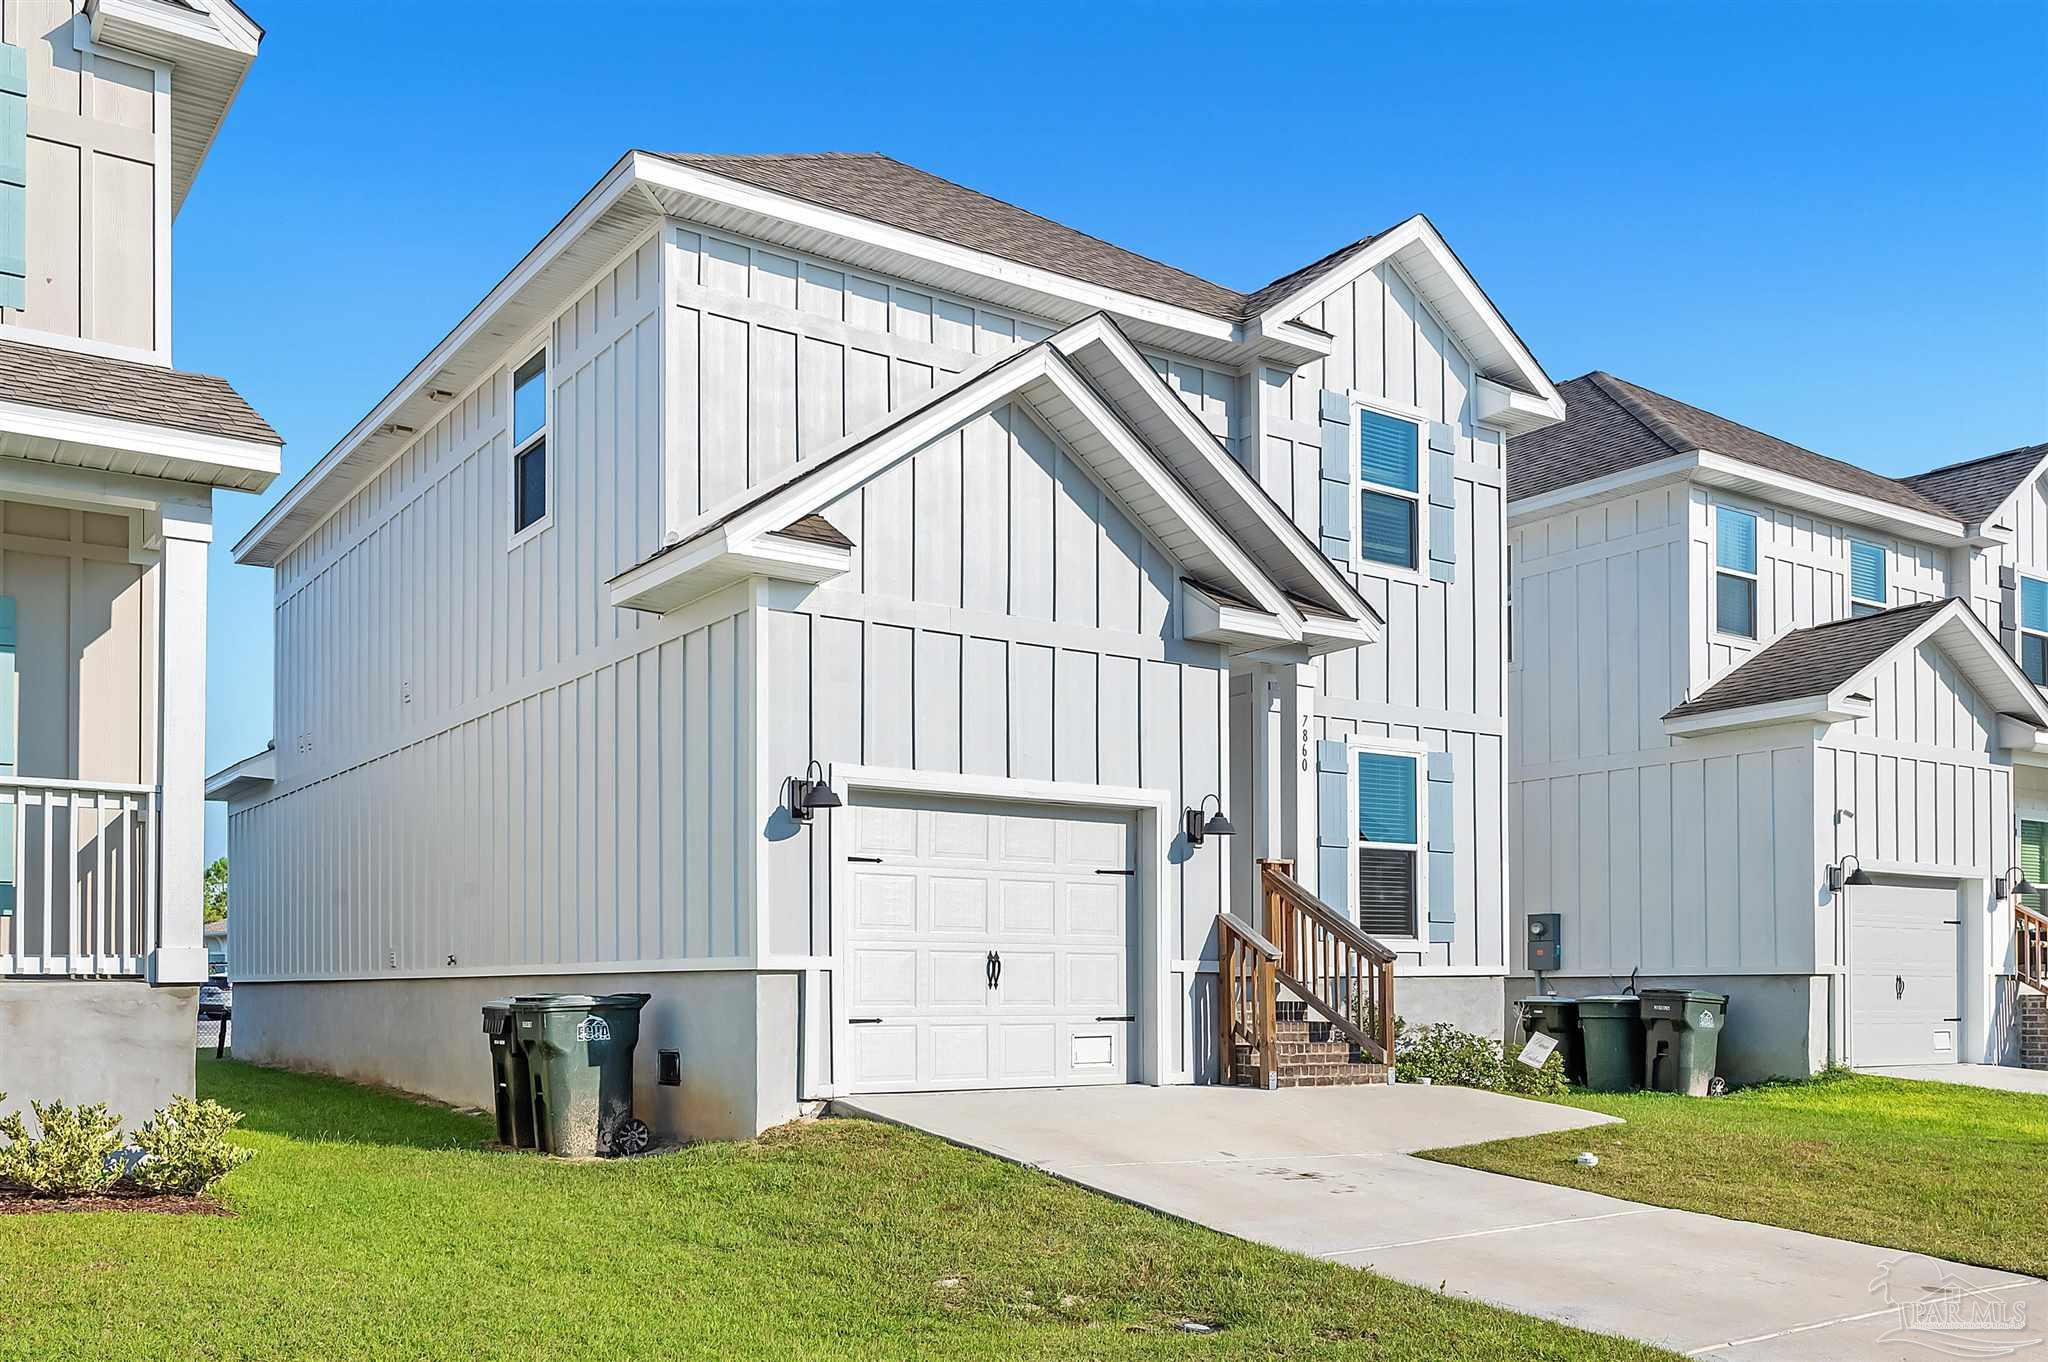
(988, 946)
(1903, 1000)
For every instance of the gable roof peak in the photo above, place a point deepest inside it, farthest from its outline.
(1977, 489)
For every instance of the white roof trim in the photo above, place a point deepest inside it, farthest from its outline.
(222, 460)
(1433, 269)
(248, 777)
(673, 579)
(1722, 470)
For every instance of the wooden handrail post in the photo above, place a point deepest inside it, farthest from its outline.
(1269, 1025)
(1226, 1002)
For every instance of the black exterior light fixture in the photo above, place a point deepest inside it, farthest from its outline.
(2014, 883)
(1216, 826)
(1839, 874)
(809, 793)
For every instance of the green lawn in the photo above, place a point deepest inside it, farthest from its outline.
(1931, 1167)
(368, 1226)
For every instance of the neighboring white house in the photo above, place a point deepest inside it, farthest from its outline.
(109, 458)
(1739, 679)
(759, 471)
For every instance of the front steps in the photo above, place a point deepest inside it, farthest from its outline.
(2033, 1011)
(1309, 1056)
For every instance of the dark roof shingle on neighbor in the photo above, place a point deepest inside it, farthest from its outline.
(1612, 425)
(1975, 488)
(124, 390)
(1809, 662)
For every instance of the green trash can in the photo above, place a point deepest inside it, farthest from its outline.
(1611, 1031)
(1557, 1017)
(579, 1049)
(1681, 1039)
(511, 1084)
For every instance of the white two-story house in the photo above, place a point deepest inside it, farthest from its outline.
(1772, 731)
(109, 460)
(919, 644)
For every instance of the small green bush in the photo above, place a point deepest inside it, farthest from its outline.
(185, 1147)
(75, 1154)
(1443, 1054)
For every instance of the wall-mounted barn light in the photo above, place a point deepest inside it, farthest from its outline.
(1216, 825)
(2012, 883)
(807, 795)
(1839, 874)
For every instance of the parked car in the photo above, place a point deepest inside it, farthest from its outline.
(216, 998)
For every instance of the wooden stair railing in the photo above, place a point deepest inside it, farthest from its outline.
(2030, 947)
(1247, 997)
(1344, 976)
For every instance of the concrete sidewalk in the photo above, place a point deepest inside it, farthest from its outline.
(2003, 1077)
(1326, 1172)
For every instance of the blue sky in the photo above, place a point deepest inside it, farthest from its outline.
(1826, 221)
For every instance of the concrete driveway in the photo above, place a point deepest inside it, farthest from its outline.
(1327, 1172)
(2004, 1077)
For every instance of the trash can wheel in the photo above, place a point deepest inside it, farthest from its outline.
(632, 1137)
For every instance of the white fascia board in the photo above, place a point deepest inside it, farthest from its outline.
(1511, 409)
(617, 183)
(1718, 470)
(1627, 481)
(1205, 619)
(227, 453)
(692, 182)
(228, 28)
(2026, 741)
(672, 580)
(1958, 618)
(1816, 709)
(1103, 331)
(249, 776)
(1419, 233)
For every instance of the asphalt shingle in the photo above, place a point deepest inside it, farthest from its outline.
(1975, 488)
(1809, 662)
(124, 390)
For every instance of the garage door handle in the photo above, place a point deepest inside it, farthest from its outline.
(1116, 1019)
(863, 1021)
(1116, 872)
(1899, 985)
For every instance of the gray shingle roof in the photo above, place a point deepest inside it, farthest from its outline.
(1611, 425)
(1809, 662)
(43, 376)
(1975, 488)
(886, 190)
(815, 529)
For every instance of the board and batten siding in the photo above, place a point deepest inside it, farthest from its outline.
(98, 196)
(426, 665)
(777, 355)
(2027, 517)
(1008, 618)
(1437, 677)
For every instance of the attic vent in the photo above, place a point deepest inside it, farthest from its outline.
(1866, 699)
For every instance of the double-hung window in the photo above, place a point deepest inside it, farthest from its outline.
(1390, 500)
(530, 443)
(1735, 571)
(2034, 858)
(2034, 631)
(1867, 593)
(1389, 843)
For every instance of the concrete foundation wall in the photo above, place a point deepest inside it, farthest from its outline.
(1468, 1002)
(1777, 1023)
(77, 1041)
(737, 1033)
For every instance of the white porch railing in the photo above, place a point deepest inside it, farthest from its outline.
(80, 861)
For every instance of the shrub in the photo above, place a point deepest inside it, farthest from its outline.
(185, 1147)
(1443, 1054)
(76, 1153)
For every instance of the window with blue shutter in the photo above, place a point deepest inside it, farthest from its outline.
(2034, 859)
(13, 176)
(1389, 464)
(9, 748)
(1735, 580)
(1389, 847)
(2033, 629)
(1866, 578)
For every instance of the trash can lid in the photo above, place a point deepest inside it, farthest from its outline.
(1546, 1000)
(1687, 995)
(554, 1002)
(1609, 1004)
(633, 1000)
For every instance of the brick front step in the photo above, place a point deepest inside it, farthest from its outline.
(1308, 1055)
(2033, 1014)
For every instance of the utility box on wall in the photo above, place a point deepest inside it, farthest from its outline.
(1545, 956)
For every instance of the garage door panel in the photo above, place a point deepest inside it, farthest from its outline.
(1027, 908)
(949, 884)
(1903, 994)
(959, 904)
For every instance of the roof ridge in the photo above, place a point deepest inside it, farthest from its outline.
(1934, 604)
(1961, 464)
(1667, 434)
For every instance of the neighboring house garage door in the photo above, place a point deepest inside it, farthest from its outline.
(1903, 999)
(987, 946)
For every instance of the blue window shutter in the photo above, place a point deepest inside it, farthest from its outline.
(1442, 438)
(1387, 451)
(1386, 797)
(1336, 476)
(1735, 540)
(13, 176)
(1443, 859)
(2034, 604)
(1333, 825)
(1443, 479)
(9, 752)
(1866, 572)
